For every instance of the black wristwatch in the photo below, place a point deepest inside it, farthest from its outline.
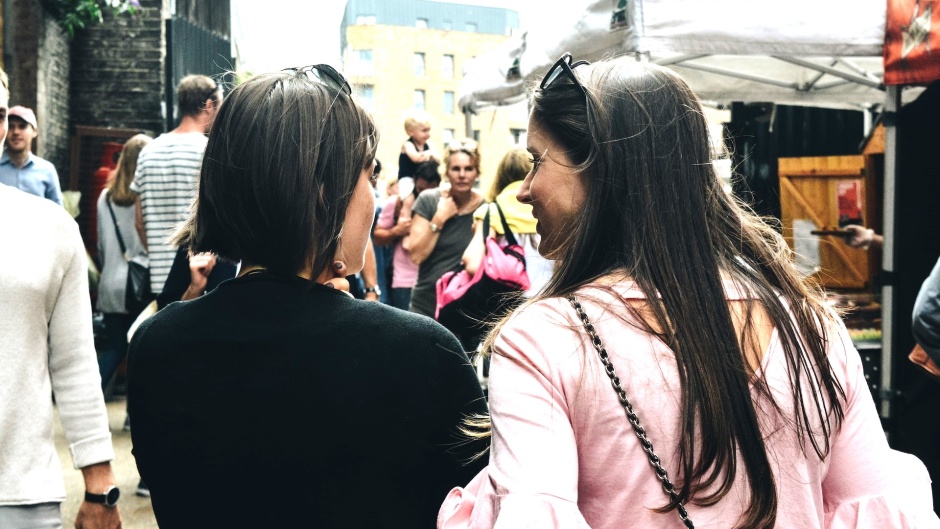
(108, 499)
(375, 289)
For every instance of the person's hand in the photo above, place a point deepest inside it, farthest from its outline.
(339, 283)
(200, 266)
(859, 236)
(98, 478)
(402, 228)
(446, 208)
(97, 516)
(335, 277)
(371, 296)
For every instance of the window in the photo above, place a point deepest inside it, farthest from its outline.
(447, 25)
(365, 20)
(419, 99)
(448, 135)
(365, 93)
(421, 23)
(362, 62)
(476, 135)
(448, 102)
(471, 27)
(447, 67)
(419, 64)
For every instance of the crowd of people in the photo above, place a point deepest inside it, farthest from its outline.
(667, 365)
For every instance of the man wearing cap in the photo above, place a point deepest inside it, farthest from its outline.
(19, 167)
(46, 349)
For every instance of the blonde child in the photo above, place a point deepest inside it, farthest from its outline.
(415, 150)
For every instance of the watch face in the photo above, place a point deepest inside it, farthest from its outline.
(113, 495)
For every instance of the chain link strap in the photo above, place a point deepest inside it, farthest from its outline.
(631, 415)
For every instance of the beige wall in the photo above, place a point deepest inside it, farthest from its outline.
(394, 83)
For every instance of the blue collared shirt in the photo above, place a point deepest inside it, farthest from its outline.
(38, 177)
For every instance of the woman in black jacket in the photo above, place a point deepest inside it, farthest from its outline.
(312, 408)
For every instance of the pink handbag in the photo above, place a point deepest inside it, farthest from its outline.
(463, 302)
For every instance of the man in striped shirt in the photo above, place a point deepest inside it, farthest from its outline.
(168, 170)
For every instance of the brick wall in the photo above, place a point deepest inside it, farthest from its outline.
(117, 71)
(25, 28)
(52, 96)
(117, 82)
(39, 79)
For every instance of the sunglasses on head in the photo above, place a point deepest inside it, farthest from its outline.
(325, 74)
(465, 145)
(562, 67)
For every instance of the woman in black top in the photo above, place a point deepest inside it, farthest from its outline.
(277, 400)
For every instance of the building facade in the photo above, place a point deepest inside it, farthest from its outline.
(406, 54)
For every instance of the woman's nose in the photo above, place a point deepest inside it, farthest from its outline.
(523, 194)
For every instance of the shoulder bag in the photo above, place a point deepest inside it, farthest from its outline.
(137, 294)
(465, 303)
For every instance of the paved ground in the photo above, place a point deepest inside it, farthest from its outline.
(135, 511)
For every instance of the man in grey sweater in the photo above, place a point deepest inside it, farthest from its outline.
(46, 349)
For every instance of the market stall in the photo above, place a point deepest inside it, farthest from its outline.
(750, 50)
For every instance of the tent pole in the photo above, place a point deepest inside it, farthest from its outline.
(892, 106)
(864, 81)
(468, 123)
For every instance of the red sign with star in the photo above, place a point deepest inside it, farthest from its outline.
(912, 42)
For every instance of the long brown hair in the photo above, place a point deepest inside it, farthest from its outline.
(655, 208)
(119, 185)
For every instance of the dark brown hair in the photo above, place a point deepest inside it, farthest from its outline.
(282, 162)
(656, 209)
(429, 171)
(193, 92)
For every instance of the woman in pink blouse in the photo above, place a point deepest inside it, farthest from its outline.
(747, 392)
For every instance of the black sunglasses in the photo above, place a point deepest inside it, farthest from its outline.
(563, 66)
(325, 74)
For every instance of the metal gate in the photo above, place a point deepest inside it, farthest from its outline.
(191, 50)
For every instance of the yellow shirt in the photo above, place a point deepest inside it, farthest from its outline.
(518, 215)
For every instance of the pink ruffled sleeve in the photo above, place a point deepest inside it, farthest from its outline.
(867, 483)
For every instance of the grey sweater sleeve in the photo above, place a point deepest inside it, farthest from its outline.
(926, 326)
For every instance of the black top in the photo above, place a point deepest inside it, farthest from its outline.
(179, 277)
(274, 402)
(407, 168)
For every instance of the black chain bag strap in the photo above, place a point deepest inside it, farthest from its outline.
(631, 415)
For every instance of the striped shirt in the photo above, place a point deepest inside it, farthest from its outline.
(167, 173)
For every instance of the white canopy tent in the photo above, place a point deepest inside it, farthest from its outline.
(802, 52)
